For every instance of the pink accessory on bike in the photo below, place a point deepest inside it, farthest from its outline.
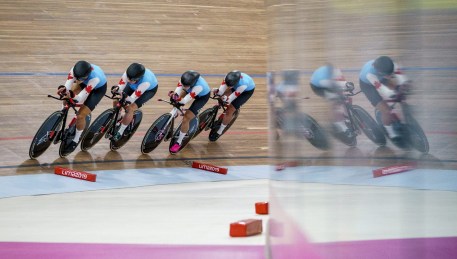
(175, 148)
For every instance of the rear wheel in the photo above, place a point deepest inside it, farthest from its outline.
(97, 130)
(68, 136)
(218, 123)
(45, 134)
(193, 125)
(368, 125)
(129, 131)
(156, 133)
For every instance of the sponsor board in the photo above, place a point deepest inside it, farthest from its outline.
(75, 174)
(210, 168)
(394, 169)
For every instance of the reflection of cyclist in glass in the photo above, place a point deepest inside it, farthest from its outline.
(140, 85)
(236, 89)
(328, 82)
(86, 84)
(380, 80)
(192, 86)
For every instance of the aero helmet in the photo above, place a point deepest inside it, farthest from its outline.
(384, 65)
(82, 70)
(135, 71)
(190, 78)
(232, 78)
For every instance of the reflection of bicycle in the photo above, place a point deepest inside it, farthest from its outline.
(162, 129)
(207, 119)
(358, 120)
(108, 123)
(411, 133)
(53, 131)
(306, 127)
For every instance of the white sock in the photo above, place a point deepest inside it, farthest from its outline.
(341, 126)
(122, 128)
(181, 137)
(390, 131)
(77, 135)
(221, 128)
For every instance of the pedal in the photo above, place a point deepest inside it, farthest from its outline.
(57, 137)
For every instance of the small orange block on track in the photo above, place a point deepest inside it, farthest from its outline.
(246, 227)
(261, 208)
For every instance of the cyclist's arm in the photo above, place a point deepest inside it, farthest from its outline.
(399, 78)
(70, 80)
(191, 96)
(138, 92)
(237, 93)
(122, 83)
(82, 96)
(179, 89)
(385, 91)
(222, 88)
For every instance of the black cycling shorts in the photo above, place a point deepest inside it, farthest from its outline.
(146, 96)
(370, 92)
(242, 99)
(198, 103)
(94, 97)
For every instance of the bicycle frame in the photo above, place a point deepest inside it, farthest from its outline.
(64, 110)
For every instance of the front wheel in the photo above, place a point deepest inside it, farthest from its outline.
(313, 132)
(368, 125)
(97, 130)
(156, 133)
(128, 132)
(416, 135)
(45, 134)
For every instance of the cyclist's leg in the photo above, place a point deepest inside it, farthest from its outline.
(89, 105)
(376, 100)
(191, 113)
(235, 105)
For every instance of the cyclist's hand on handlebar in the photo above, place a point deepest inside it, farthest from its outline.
(61, 90)
(350, 86)
(404, 88)
(215, 91)
(115, 89)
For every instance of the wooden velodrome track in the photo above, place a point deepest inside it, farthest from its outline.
(41, 40)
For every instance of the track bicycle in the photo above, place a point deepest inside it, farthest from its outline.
(208, 119)
(358, 120)
(411, 133)
(54, 130)
(107, 124)
(162, 129)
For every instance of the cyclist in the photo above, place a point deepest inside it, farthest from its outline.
(140, 85)
(381, 80)
(192, 86)
(86, 84)
(329, 82)
(236, 89)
